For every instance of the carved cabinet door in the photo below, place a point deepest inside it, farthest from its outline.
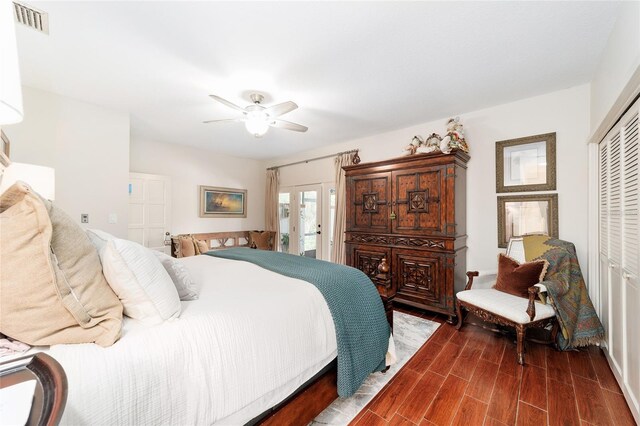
(419, 200)
(368, 202)
(367, 258)
(420, 277)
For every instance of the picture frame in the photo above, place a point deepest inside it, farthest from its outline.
(526, 214)
(526, 164)
(5, 149)
(222, 202)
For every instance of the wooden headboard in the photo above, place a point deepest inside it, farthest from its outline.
(219, 240)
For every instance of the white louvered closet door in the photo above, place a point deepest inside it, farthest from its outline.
(619, 211)
(604, 236)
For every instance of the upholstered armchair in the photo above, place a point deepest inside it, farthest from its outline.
(505, 309)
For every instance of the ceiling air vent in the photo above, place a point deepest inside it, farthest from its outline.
(32, 17)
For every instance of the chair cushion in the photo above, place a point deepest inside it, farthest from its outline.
(515, 278)
(504, 304)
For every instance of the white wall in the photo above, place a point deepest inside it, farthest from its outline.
(87, 145)
(618, 62)
(190, 167)
(565, 112)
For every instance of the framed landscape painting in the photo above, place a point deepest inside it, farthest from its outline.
(526, 164)
(222, 202)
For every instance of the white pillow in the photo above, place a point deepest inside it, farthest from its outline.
(99, 238)
(140, 281)
(180, 276)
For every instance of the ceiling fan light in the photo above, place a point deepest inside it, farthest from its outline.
(257, 123)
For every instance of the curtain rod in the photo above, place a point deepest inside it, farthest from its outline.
(313, 159)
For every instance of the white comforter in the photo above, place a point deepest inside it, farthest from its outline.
(250, 340)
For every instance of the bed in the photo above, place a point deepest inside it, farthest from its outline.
(203, 340)
(251, 340)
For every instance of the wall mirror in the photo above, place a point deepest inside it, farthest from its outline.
(526, 164)
(526, 214)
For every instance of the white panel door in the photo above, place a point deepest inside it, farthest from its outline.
(150, 210)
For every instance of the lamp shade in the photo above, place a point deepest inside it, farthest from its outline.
(41, 179)
(10, 90)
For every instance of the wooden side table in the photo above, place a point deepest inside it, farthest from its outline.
(51, 389)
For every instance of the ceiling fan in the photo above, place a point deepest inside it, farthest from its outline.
(257, 118)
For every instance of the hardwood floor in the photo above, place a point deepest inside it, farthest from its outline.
(471, 377)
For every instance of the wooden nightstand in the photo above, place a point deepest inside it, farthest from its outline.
(51, 389)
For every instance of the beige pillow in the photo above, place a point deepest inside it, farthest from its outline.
(201, 246)
(53, 290)
(187, 247)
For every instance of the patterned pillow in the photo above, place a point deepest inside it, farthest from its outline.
(179, 275)
(515, 278)
(261, 239)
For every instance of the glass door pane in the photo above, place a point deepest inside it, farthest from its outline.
(284, 213)
(309, 237)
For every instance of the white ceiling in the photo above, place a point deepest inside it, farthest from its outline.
(355, 69)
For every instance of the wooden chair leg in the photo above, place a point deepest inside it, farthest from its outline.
(460, 317)
(520, 332)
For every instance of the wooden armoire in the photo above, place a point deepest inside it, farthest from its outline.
(406, 227)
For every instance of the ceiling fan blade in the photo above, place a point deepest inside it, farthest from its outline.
(227, 103)
(281, 124)
(280, 109)
(228, 120)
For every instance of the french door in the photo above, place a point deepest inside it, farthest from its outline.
(300, 214)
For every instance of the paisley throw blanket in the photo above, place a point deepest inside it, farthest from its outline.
(362, 330)
(566, 291)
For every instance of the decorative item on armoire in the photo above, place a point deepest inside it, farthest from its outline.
(454, 139)
(406, 227)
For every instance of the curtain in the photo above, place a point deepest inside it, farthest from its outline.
(338, 254)
(271, 220)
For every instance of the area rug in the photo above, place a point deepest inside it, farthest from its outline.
(410, 333)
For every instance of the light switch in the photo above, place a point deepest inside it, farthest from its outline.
(84, 218)
(113, 218)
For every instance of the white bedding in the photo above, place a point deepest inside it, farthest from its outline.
(250, 340)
